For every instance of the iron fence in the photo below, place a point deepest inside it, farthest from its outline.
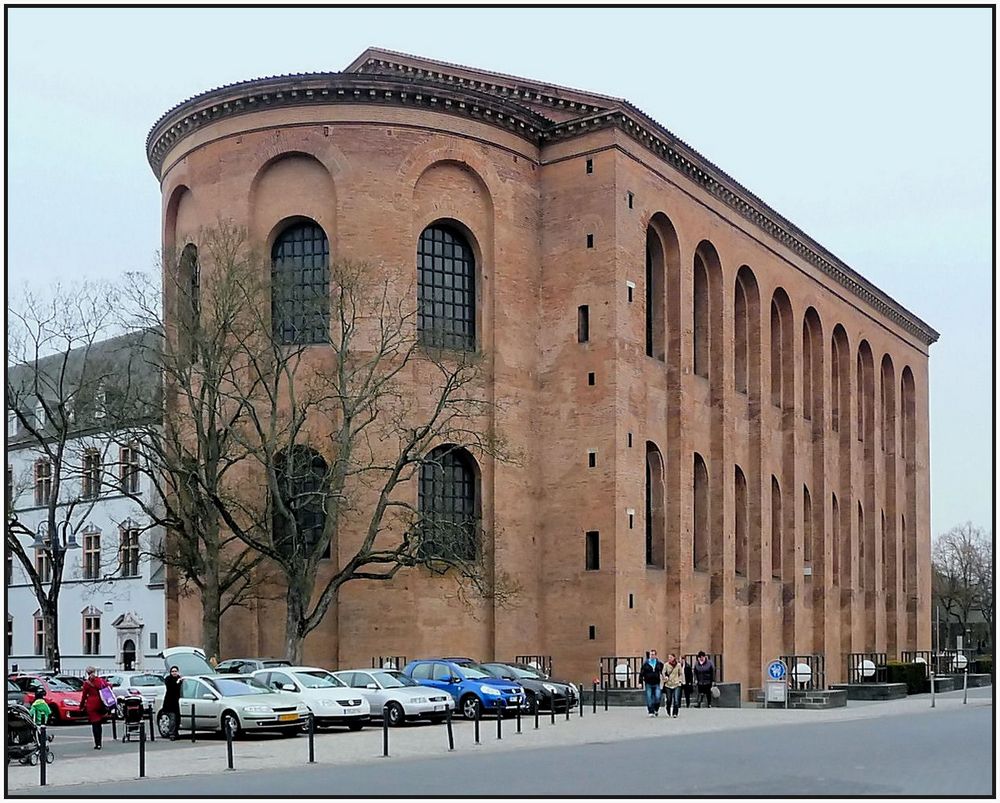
(925, 657)
(806, 672)
(714, 657)
(543, 663)
(388, 661)
(621, 672)
(867, 667)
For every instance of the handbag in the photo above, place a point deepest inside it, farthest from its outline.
(716, 693)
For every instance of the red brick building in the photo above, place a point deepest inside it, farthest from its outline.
(724, 427)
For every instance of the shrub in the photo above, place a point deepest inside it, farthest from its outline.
(983, 665)
(914, 675)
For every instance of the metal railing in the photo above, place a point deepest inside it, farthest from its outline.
(867, 667)
(388, 661)
(621, 671)
(806, 672)
(925, 657)
(714, 657)
(540, 662)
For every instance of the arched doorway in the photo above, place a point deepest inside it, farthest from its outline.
(128, 655)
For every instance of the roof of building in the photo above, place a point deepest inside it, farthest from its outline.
(536, 111)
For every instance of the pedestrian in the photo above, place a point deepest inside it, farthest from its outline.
(704, 676)
(40, 711)
(172, 701)
(673, 679)
(649, 675)
(91, 702)
(688, 683)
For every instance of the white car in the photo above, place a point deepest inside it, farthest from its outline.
(400, 696)
(330, 700)
(148, 686)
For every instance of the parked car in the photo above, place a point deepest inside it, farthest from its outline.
(145, 684)
(400, 697)
(72, 681)
(327, 696)
(188, 660)
(62, 699)
(473, 688)
(539, 689)
(247, 666)
(237, 701)
(15, 694)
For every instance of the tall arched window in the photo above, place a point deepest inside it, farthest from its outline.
(775, 527)
(888, 398)
(300, 517)
(446, 289)
(700, 513)
(807, 527)
(782, 351)
(655, 332)
(300, 284)
(740, 492)
(701, 321)
(836, 540)
(740, 339)
(190, 284)
(862, 565)
(449, 494)
(654, 507)
(775, 355)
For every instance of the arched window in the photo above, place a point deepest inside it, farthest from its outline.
(300, 514)
(807, 527)
(740, 339)
(654, 507)
(775, 355)
(655, 336)
(449, 494)
(190, 284)
(300, 284)
(862, 574)
(701, 322)
(700, 514)
(775, 527)
(446, 289)
(836, 540)
(741, 522)
(888, 391)
(746, 320)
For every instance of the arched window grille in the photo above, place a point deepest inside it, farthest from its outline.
(449, 521)
(446, 289)
(301, 474)
(300, 284)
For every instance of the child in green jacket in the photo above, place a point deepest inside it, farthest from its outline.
(40, 711)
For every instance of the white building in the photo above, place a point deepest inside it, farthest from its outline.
(112, 601)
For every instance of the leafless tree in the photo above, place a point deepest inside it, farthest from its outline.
(61, 377)
(960, 558)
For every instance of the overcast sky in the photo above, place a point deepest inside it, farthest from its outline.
(870, 129)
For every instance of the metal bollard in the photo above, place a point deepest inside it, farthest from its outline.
(142, 752)
(536, 714)
(580, 700)
(385, 732)
(605, 698)
(43, 757)
(451, 735)
(567, 708)
(152, 735)
(518, 715)
(594, 694)
(229, 747)
(932, 689)
(552, 714)
(499, 723)
(478, 711)
(965, 687)
(312, 734)
(192, 723)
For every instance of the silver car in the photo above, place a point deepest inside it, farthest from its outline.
(399, 696)
(239, 702)
(147, 685)
(331, 702)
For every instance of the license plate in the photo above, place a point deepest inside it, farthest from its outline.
(515, 699)
(287, 717)
(440, 707)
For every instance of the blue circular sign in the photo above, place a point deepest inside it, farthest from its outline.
(776, 670)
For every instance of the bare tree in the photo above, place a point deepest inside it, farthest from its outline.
(959, 558)
(338, 433)
(61, 377)
(196, 355)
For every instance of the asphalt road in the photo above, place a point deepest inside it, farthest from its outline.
(949, 752)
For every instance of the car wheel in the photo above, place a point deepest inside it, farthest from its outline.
(396, 715)
(471, 707)
(164, 722)
(532, 702)
(355, 726)
(230, 721)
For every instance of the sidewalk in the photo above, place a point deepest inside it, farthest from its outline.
(166, 759)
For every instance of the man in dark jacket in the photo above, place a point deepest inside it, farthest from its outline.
(704, 676)
(649, 675)
(172, 700)
(688, 683)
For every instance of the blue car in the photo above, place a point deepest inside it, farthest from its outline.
(473, 688)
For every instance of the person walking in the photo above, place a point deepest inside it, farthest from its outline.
(688, 683)
(91, 702)
(704, 676)
(673, 679)
(650, 676)
(172, 701)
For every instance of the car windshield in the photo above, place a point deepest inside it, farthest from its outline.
(318, 679)
(55, 684)
(276, 662)
(393, 680)
(525, 672)
(146, 680)
(11, 686)
(75, 683)
(236, 687)
(474, 671)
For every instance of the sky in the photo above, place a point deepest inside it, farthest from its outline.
(870, 129)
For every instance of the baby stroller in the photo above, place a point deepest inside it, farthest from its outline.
(131, 711)
(24, 737)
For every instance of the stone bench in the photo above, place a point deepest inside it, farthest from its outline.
(975, 681)
(813, 699)
(872, 691)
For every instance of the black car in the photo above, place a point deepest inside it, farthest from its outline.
(15, 694)
(246, 666)
(540, 690)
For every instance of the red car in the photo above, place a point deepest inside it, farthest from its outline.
(64, 700)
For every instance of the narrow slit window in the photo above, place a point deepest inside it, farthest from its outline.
(631, 291)
(592, 632)
(593, 551)
(631, 198)
(630, 440)
(631, 600)
(590, 241)
(583, 323)
(591, 459)
(590, 166)
(591, 378)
